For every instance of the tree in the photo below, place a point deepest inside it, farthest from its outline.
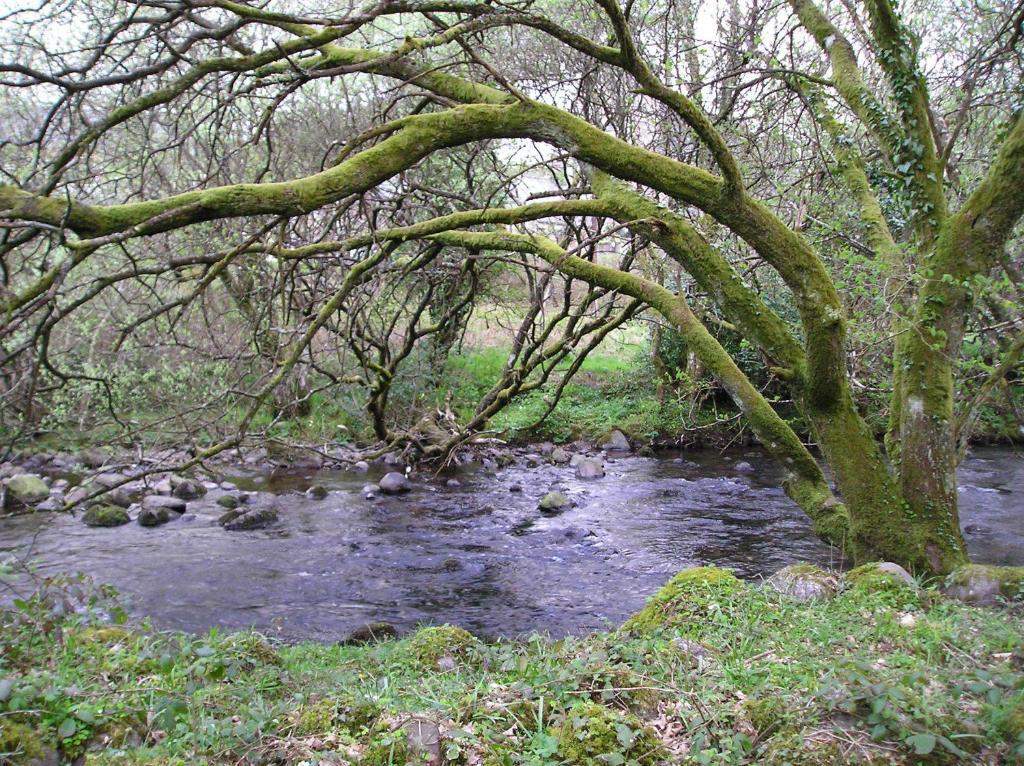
(168, 75)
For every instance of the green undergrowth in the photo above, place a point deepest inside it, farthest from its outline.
(712, 671)
(611, 391)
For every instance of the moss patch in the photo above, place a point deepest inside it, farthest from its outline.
(687, 596)
(590, 733)
(435, 646)
(105, 516)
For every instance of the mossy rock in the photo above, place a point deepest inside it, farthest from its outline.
(432, 646)
(105, 516)
(23, 746)
(686, 596)
(888, 581)
(804, 582)
(981, 584)
(330, 715)
(590, 731)
(25, 489)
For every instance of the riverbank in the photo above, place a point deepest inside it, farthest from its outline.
(712, 671)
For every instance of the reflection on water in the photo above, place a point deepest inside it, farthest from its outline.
(478, 555)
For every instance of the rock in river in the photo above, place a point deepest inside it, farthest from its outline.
(105, 516)
(170, 504)
(187, 489)
(25, 489)
(154, 517)
(617, 442)
(239, 520)
(554, 502)
(590, 468)
(394, 483)
(560, 456)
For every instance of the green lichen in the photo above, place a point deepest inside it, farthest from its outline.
(685, 597)
(590, 731)
(430, 645)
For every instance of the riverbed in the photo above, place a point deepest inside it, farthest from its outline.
(479, 554)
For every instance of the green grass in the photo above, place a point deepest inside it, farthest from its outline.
(862, 678)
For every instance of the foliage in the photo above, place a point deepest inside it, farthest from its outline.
(854, 679)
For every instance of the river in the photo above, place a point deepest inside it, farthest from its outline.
(477, 555)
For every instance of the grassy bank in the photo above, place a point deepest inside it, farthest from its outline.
(713, 671)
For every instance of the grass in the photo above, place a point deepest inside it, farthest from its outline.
(718, 672)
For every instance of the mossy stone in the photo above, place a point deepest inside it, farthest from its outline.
(804, 582)
(430, 645)
(982, 584)
(590, 731)
(686, 596)
(105, 516)
(891, 582)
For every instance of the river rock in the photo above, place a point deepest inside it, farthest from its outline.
(154, 516)
(394, 483)
(804, 582)
(170, 504)
(25, 489)
(590, 468)
(52, 503)
(239, 520)
(743, 467)
(110, 479)
(117, 497)
(533, 460)
(553, 502)
(317, 492)
(92, 458)
(362, 466)
(187, 489)
(617, 442)
(576, 459)
(515, 488)
(560, 456)
(370, 633)
(229, 501)
(453, 483)
(105, 516)
(163, 487)
(79, 493)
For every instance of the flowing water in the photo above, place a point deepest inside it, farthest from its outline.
(477, 555)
